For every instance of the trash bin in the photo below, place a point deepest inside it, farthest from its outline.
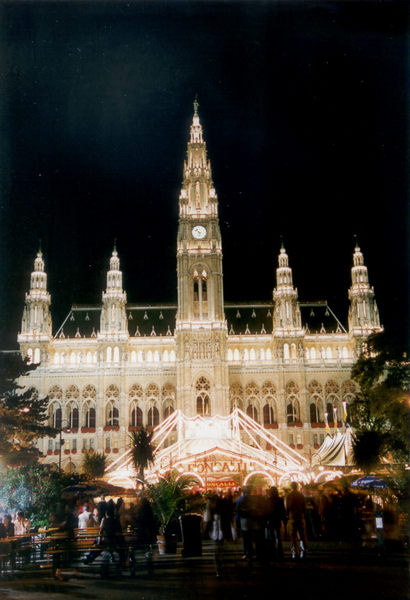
(191, 534)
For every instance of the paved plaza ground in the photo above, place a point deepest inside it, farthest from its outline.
(330, 572)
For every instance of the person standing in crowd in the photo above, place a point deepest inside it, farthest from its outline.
(221, 519)
(275, 516)
(296, 510)
(83, 517)
(102, 508)
(244, 511)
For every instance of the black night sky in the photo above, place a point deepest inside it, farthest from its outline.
(304, 109)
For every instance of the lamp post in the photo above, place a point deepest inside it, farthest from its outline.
(61, 442)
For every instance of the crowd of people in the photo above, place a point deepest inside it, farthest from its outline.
(261, 521)
(10, 527)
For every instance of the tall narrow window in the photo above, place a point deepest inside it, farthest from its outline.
(314, 413)
(136, 417)
(252, 412)
(268, 416)
(57, 417)
(202, 397)
(153, 417)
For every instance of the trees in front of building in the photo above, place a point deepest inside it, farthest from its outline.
(94, 464)
(23, 414)
(142, 451)
(380, 413)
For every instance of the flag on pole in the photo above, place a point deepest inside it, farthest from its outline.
(344, 404)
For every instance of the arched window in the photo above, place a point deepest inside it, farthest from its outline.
(133, 356)
(109, 354)
(112, 413)
(230, 354)
(153, 417)
(262, 354)
(236, 355)
(89, 358)
(200, 294)
(116, 354)
(89, 415)
(30, 355)
(286, 353)
(313, 354)
(329, 354)
(252, 412)
(252, 354)
(136, 416)
(292, 411)
(314, 413)
(56, 358)
(345, 353)
(165, 356)
(168, 411)
(56, 416)
(172, 356)
(202, 388)
(268, 415)
(329, 410)
(36, 355)
(236, 395)
(268, 354)
(72, 416)
(55, 396)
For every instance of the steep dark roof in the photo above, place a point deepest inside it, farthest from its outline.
(256, 318)
(159, 319)
(144, 320)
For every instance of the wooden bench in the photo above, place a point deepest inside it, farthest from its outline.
(85, 540)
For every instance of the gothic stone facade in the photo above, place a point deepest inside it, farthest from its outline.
(111, 368)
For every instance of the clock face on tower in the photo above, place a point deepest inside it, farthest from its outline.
(198, 232)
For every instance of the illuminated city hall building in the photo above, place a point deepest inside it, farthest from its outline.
(282, 364)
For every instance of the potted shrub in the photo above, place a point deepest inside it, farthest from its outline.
(168, 502)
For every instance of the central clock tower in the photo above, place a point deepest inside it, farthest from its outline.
(201, 331)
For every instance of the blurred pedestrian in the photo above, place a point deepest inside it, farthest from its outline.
(296, 511)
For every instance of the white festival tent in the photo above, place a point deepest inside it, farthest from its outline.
(235, 439)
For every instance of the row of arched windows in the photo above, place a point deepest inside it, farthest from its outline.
(289, 353)
(111, 356)
(324, 400)
(71, 418)
(112, 416)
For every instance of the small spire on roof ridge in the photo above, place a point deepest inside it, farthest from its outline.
(356, 243)
(39, 253)
(114, 250)
(196, 104)
(282, 245)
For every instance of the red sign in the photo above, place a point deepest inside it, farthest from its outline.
(221, 484)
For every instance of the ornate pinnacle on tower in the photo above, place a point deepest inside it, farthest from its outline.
(196, 105)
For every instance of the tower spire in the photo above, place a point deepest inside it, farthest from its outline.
(286, 315)
(113, 315)
(36, 326)
(363, 313)
(198, 198)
